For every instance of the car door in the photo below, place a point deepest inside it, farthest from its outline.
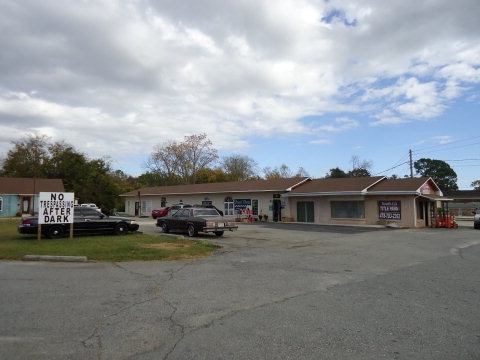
(91, 221)
(79, 224)
(180, 219)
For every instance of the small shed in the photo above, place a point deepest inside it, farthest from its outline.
(20, 195)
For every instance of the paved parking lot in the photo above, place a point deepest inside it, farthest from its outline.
(274, 291)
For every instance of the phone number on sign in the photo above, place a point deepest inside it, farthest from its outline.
(390, 216)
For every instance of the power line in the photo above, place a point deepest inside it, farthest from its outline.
(447, 147)
(466, 142)
(394, 167)
(464, 160)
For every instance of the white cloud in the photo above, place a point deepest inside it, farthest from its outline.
(125, 75)
(340, 124)
(444, 139)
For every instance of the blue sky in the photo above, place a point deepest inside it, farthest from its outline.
(305, 83)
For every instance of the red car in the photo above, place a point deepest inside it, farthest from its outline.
(160, 212)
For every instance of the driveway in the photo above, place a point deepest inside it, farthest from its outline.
(274, 291)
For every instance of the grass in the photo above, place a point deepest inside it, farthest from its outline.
(133, 246)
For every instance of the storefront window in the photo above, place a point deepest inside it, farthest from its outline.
(347, 209)
(146, 206)
(254, 207)
(228, 206)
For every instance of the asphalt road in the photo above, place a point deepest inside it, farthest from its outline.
(274, 291)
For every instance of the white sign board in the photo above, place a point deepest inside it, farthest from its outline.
(55, 207)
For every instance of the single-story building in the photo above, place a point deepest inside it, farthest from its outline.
(20, 195)
(252, 197)
(407, 202)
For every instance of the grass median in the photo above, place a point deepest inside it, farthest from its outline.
(130, 247)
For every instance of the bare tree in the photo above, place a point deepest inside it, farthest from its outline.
(183, 159)
(360, 168)
(283, 172)
(357, 163)
(239, 167)
(301, 172)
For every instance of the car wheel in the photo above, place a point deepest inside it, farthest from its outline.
(218, 233)
(165, 228)
(120, 229)
(55, 232)
(191, 231)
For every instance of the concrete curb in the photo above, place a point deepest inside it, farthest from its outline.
(54, 258)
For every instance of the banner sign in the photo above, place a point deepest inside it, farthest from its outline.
(389, 210)
(240, 204)
(55, 207)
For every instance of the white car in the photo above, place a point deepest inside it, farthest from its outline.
(92, 206)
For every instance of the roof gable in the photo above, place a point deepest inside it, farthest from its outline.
(280, 185)
(422, 185)
(16, 186)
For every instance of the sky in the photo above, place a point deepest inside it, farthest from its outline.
(310, 84)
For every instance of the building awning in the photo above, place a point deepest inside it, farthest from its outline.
(435, 198)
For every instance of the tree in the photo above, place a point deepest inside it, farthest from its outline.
(301, 172)
(150, 179)
(239, 167)
(439, 171)
(359, 172)
(183, 160)
(207, 175)
(64, 162)
(98, 185)
(476, 184)
(357, 163)
(283, 172)
(336, 173)
(27, 157)
(92, 180)
(359, 168)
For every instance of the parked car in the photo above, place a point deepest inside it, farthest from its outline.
(86, 220)
(90, 205)
(193, 220)
(156, 213)
(476, 219)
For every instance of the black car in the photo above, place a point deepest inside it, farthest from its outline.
(193, 220)
(85, 221)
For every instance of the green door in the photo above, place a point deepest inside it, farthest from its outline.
(305, 212)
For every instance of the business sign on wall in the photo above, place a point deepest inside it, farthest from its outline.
(241, 204)
(55, 207)
(389, 210)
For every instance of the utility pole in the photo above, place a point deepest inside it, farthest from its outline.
(411, 163)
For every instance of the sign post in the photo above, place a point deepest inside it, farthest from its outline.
(55, 208)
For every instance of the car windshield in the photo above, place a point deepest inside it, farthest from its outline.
(205, 212)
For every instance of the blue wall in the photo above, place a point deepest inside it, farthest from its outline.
(11, 205)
